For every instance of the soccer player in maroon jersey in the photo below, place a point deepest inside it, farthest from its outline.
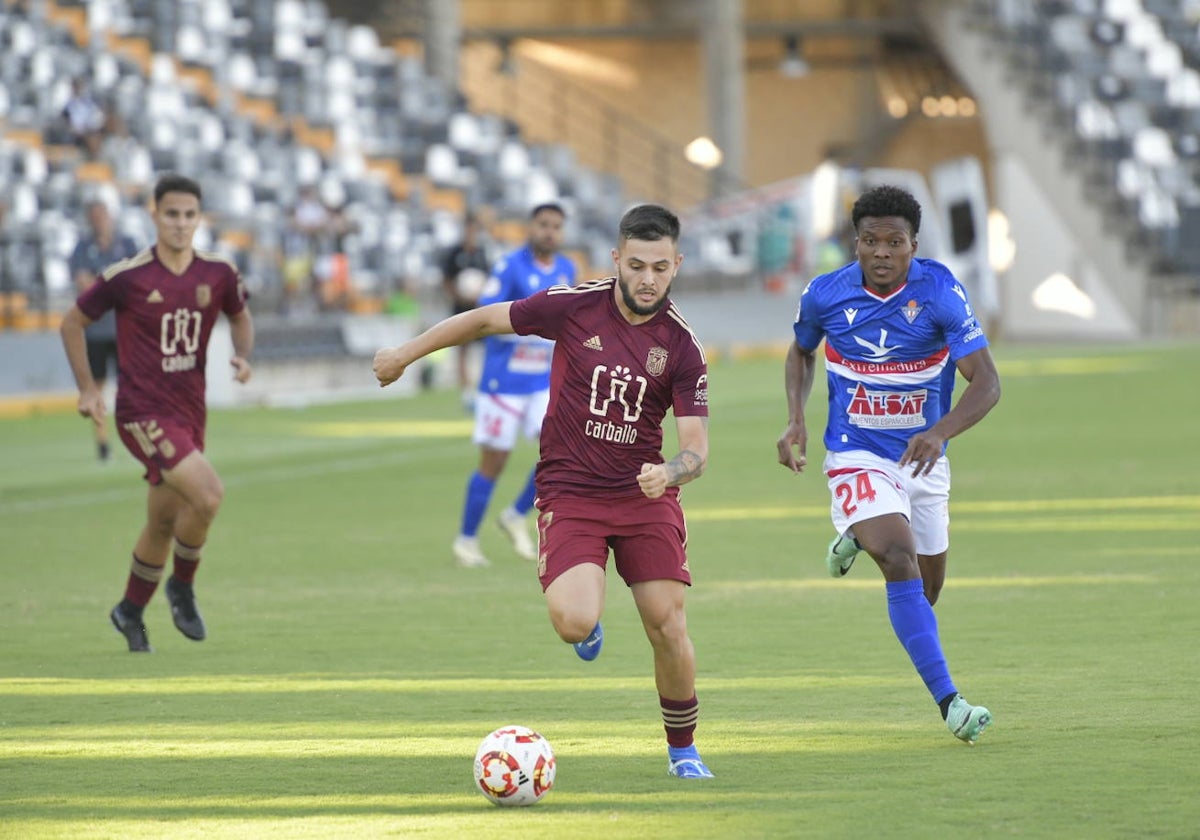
(167, 299)
(623, 356)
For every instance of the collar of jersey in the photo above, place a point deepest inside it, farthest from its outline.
(915, 272)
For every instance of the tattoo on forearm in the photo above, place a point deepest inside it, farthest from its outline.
(684, 467)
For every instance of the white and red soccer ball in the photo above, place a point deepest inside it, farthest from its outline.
(514, 766)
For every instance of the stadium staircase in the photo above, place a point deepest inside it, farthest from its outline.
(1041, 102)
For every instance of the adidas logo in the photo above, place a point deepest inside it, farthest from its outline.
(154, 297)
(593, 343)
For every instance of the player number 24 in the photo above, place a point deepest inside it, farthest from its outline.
(862, 491)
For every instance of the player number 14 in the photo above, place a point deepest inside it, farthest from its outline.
(850, 496)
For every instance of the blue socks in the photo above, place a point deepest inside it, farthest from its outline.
(589, 648)
(916, 627)
(524, 502)
(479, 493)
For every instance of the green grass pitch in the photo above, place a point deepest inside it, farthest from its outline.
(351, 669)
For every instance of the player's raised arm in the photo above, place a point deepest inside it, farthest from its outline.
(390, 362)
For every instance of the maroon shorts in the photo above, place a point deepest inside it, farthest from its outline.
(160, 443)
(648, 537)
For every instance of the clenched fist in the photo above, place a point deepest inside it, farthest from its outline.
(388, 366)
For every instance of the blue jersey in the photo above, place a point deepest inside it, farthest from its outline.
(516, 364)
(889, 360)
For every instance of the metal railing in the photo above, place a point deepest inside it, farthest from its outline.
(548, 107)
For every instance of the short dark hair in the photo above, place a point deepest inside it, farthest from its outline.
(884, 201)
(548, 205)
(172, 182)
(649, 222)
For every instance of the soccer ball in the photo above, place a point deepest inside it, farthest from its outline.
(469, 284)
(514, 766)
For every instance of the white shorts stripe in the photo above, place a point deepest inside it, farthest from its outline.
(499, 417)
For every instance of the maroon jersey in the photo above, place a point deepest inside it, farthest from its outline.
(164, 322)
(611, 383)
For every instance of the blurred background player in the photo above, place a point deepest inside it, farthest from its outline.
(167, 299)
(623, 357)
(464, 273)
(892, 324)
(514, 385)
(95, 252)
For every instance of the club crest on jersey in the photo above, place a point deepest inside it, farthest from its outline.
(203, 295)
(656, 361)
(911, 310)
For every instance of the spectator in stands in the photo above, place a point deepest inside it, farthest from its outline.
(168, 299)
(6, 281)
(308, 221)
(310, 216)
(335, 287)
(464, 271)
(95, 252)
(85, 118)
(316, 266)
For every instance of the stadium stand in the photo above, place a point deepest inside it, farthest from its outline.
(1123, 77)
(256, 100)
(259, 99)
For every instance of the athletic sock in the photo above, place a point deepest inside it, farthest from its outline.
(143, 580)
(679, 719)
(524, 502)
(479, 493)
(944, 704)
(187, 558)
(916, 627)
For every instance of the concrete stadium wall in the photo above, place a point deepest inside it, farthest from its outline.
(35, 376)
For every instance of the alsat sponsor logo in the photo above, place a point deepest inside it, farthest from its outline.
(886, 409)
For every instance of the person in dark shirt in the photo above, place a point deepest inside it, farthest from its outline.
(464, 272)
(94, 253)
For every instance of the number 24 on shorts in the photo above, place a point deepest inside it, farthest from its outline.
(857, 488)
